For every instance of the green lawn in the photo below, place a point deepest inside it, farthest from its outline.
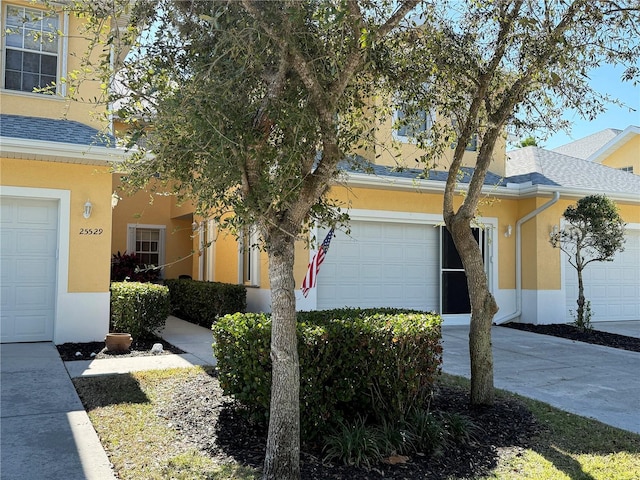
(142, 445)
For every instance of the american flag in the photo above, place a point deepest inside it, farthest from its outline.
(314, 267)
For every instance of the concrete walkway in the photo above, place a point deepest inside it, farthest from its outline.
(589, 380)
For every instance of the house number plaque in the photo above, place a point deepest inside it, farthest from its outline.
(91, 231)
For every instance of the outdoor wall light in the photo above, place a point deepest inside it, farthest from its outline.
(114, 199)
(88, 207)
(508, 230)
(554, 231)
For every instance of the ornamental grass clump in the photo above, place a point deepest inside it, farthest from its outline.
(379, 363)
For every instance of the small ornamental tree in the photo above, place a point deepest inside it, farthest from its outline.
(594, 233)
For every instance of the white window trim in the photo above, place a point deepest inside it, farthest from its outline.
(254, 273)
(63, 49)
(131, 240)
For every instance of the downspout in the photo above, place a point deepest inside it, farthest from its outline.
(526, 218)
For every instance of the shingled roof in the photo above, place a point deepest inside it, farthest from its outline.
(546, 167)
(585, 147)
(52, 130)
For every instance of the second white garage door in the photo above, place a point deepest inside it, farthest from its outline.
(28, 248)
(613, 288)
(381, 264)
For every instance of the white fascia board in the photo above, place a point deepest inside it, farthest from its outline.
(612, 145)
(417, 185)
(21, 148)
(526, 190)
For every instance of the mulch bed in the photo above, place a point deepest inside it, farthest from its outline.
(571, 332)
(92, 350)
(210, 421)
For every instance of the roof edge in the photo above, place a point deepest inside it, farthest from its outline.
(14, 147)
(623, 137)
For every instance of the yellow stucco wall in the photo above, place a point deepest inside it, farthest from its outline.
(80, 107)
(146, 208)
(628, 155)
(88, 254)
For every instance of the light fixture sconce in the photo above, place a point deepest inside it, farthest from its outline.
(114, 199)
(508, 230)
(88, 207)
(554, 231)
(195, 226)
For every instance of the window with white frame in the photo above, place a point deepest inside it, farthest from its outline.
(410, 122)
(249, 258)
(31, 53)
(628, 169)
(147, 242)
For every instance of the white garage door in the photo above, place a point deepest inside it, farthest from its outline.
(613, 288)
(381, 264)
(28, 246)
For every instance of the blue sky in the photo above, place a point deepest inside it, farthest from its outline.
(605, 80)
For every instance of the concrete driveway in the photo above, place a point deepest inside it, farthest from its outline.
(44, 431)
(589, 380)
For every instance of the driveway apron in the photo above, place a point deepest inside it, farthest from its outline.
(44, 431)
(588, 380)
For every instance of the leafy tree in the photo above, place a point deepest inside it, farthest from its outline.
(594, 233)
(248, 106)
(489, 66)
(529, 142)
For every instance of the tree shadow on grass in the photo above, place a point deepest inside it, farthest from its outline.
(104, 390)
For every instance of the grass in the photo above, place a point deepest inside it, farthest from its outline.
(141, 445)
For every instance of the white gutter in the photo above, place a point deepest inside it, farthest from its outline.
(526, 218)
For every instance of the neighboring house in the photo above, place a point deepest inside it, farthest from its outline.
(56, 184)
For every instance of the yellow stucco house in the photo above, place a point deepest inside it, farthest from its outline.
(56, 185)
(64, 214)
(397, 253)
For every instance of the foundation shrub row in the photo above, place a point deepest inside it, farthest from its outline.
(380, 364)
(203, 302)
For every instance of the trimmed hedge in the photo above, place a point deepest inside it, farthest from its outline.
(380, 362)
(138, 308)
(203, 302)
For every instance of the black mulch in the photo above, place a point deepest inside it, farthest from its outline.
(571, 332)
(209, 420)
(142, 347)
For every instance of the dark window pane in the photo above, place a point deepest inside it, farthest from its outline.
(14, 60)
(455, 295)
(30, 81)
(450, 257)
(12, 80)
(31, 62)
(49, 65)
(47, 81)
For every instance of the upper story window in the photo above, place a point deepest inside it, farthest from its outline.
(409, 123)
(31, 48)
(628, 169)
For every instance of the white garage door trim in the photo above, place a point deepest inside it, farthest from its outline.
(599, 289)
(63, 197)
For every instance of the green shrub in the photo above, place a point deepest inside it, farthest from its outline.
(356, 443)
(380, 363)
(138, 308)
(203, 302)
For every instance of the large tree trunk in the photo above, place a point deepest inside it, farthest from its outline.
(282, 458)
(483, 309)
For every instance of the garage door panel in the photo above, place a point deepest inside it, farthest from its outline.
(613, 288)
(396, 266)
(29, 268)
